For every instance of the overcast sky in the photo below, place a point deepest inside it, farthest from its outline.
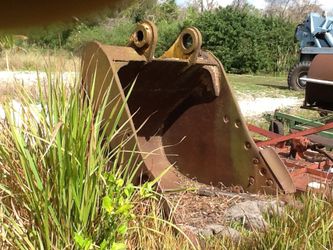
(260, 4)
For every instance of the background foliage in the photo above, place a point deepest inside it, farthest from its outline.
(248, 42)
(245, 39)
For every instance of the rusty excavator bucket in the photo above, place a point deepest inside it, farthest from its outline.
(183, 113)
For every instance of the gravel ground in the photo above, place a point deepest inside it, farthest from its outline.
(249, 105)
(9, 80)
(257, 106)
(29, 78)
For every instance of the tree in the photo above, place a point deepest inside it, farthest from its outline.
(239, 4)
(140, 10)
(244, 5)
(203, 5)
(294, 11)
(167, 10)
(303, 7)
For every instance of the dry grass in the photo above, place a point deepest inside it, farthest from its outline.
(38, 59)
(309, 227)
(150, 231)
(31, 62)
(9, 92)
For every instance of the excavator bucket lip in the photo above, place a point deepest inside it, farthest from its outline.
(305, 174)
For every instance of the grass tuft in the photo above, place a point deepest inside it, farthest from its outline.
(60, 183)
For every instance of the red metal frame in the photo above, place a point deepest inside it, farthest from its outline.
(262, 131)
(302, 171)
(305, 132)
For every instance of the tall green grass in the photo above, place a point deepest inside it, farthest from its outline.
(307, 226)
(310, 227)
(61, 185)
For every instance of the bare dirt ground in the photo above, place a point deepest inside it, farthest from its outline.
(263, 94)
(28, 78)
(253, 104)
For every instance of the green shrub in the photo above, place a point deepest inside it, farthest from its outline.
(246, 42)
(50, 37)
(167, 34)
(243, 39)
(119, 34)
(116, 35)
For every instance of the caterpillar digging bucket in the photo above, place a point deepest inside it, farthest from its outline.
(183, 113)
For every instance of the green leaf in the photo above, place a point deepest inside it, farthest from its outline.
(107, 204)
(122, 229)
(120, 182)
(124, 209)
(82, 242)
(118, 246)
(104, 245)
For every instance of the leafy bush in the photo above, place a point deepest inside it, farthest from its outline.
(167, 34)
(54, 36)
(246, 42)
(116, 35)
(243, 39)
(119, 33)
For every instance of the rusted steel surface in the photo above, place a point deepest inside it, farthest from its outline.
(283, 176)
(144, 40)
(319, 94)
(310, 167)
(316, 138)
(309, 170)
(312, 178)
(298, 146)
(283, 138)
(182, 112)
